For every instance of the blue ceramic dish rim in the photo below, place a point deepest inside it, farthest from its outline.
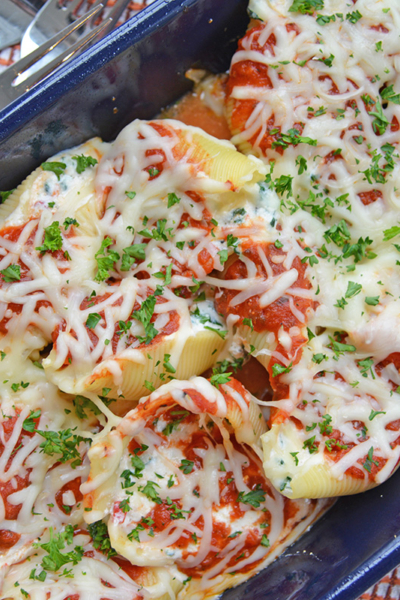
(370, 572)
(46, 93)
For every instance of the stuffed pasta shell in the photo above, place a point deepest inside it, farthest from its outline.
(180, 481)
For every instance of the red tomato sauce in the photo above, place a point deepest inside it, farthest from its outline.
(277, 314)
(255, 74)
(73, 486)
(8, 539)
(163, 514)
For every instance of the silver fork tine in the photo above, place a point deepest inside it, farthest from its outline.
(63, 57)
(115, 12)
(33, 57)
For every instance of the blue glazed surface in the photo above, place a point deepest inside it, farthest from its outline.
(137, 70)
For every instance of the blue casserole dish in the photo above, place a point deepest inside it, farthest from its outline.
(134, 72)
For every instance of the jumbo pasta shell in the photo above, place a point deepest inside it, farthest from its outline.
(296, 473)
(261, 341)
(127, 376)
(75, 196)
(218, 159)
(224, 163)
(16, 197)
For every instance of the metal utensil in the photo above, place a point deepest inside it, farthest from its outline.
(10, 89)
(57, 14)
(15, 17)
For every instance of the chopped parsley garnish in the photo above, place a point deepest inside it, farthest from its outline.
(127, 476)
(358, 250)
(15, 386)
(310, 445)
(278, 369)
(292, 137)
(265, 541)
(105, 262)
(131, 253)
(225, 365)
(186, 466)
(390, 95)
(253, 498)
(249, 323)
(52, 239)
(167, 365)
(319, 357)
(375, 171)
(124, 505)
(5, 195)
(306, 7)
(80, 403)
(83, 162)
(173, 199)
(352, 289)
(70, 221)
(327, 61)
(150, 491)
(338, 233)
(157, 233)
(173, 425)
(134, 534)
(149, 386)
(137, 464)
(101, 539)
(318, 210)
(354, 16)
(130, 195)
(302, 164)
(144, 316)
(332, 443)
(11, 273)
(339, 347)
(390, 233)
(324, 427)
(325, 19)
(372, 300)
(366, 366)
(57, 168)
(29, 423)
(296, 460)
(64, 443)
(380, 122)
(221, 332)
(220, 378)
(374, 413)
(369, 461)
(55, 559)
(92, 320)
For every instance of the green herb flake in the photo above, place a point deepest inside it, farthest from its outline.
(29, 423)
(254, 498)
(84, 162)
(55, 167)
(101, 539)
(306, 7)
(173, 199)
(52, 239)
(186, 466)
(93, 320)
(11, 273)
